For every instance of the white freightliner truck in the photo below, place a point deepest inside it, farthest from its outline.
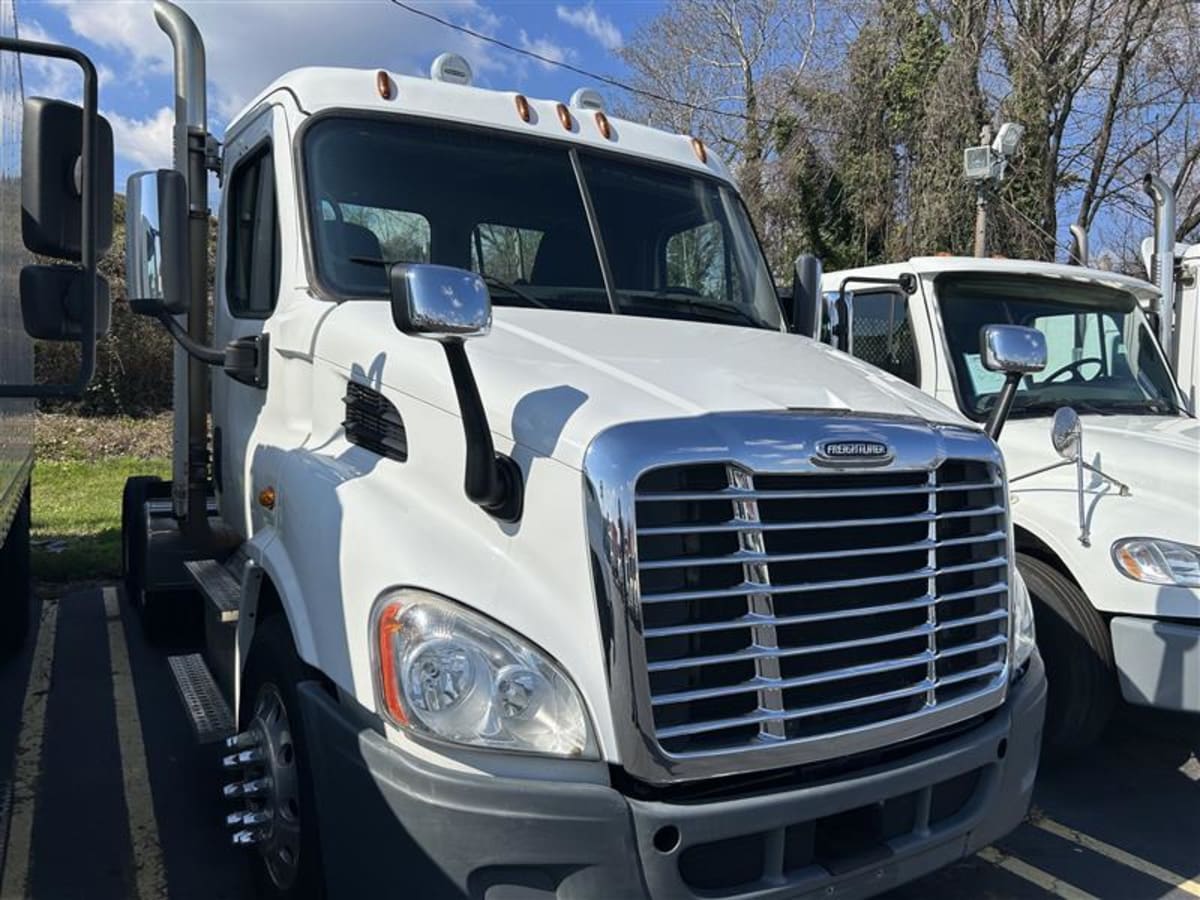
(636, 596)
(1102, 453)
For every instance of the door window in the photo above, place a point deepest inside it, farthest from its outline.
(883, 334)
(252, 280)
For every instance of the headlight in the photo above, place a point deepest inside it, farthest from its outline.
(452, 674)
(1156, 561)
(1023, 634)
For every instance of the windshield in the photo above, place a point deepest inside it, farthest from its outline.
(675, 245)
(1101, 356)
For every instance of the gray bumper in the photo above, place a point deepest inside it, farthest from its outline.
(1158, 663)
(392, 825)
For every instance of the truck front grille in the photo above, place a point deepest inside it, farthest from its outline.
(779, 608)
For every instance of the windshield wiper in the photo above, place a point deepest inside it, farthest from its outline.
(492, 281)
(700, 305)
(1050, 406)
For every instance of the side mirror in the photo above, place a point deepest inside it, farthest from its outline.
(52, 303)
(804, 310)
(156, 242)
(439, 302)
(52, 180)
(450, 305)
(839, 317)
(1016, 351)
(1066, 432)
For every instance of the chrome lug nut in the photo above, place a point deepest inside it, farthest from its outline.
(234, 819)
(258, 817)
(245, 758)
(247, 837)
(243, 740)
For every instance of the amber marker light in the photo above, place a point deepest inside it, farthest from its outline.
(699, 149)
(389, 629)
(383, 84)
(604, 126)
(564, 116)
(266, 498)
(523, 108)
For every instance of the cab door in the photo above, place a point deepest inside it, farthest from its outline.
(247, 294)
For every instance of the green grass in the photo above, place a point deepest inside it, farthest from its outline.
(77, 515)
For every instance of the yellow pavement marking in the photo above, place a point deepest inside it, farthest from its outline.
(139, 801)
(1034, 875)
(1124, 857)
(14, 880)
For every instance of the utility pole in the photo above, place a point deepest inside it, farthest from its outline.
(985, 166)
(981, 199)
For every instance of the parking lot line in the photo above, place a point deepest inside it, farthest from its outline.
(1034, 875)
(139, 801)
(1124, 857)
(14, 880)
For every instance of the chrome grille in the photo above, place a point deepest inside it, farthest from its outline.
(787, 607)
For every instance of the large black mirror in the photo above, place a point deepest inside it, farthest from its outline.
(52, 180)
(156, 242)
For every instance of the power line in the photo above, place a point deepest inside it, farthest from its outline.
(1065, 245)
(605, 79)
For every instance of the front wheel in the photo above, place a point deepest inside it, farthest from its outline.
(1074, 642)
(278, 817)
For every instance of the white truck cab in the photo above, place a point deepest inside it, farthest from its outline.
(538, 558)
(1108, 537)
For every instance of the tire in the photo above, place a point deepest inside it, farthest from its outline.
(158, 611)
(273, 671)
(16, 582)
(1074, 642)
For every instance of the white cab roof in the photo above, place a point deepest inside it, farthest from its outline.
(934, 265)
(317, 90)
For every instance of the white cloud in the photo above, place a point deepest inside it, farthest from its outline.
(545, 47)
(144, 142)
(599, 27)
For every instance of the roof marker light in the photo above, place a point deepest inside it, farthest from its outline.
(564, 116)
(523, 109)
(451, 68)
(383, 84)
(699, 149)
(586, 98)
(603, 124)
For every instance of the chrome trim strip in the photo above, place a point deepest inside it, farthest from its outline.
(779, 442)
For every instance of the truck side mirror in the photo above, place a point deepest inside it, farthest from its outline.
(804, 310)
(156, 242)
(1066, 432)
(52, 303)
(1016, 351)
(450, 305)
(52, 180)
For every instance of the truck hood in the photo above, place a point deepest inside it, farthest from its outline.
(1157, 456)
(551, 381)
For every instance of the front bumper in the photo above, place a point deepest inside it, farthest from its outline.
(392, 825)
(1158, 663)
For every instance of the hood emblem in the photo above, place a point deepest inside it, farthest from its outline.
(853, 453)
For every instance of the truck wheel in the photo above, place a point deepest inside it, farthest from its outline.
(16, 598)
(280, 820)
(154, 610)
(1077, 649)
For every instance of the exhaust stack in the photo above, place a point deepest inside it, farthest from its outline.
(1079, 245)
(1162, 263)
(190, 463)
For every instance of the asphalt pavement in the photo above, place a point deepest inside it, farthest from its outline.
(105, 795)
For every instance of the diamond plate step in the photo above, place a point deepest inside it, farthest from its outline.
(222, 588)
(206, 707)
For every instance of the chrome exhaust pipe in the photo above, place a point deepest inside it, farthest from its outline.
(1163, 261)
(1079, 245)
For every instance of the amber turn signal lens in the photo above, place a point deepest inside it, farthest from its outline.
(699, 149)
(523, 108)
(383, 84)
(266, 498)
(390, 627)
(604, 126)
(564, 116)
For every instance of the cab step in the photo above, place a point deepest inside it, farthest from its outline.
(207, 710)
(220, 583)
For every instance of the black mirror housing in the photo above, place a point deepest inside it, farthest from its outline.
(51, 193)
(52, 303)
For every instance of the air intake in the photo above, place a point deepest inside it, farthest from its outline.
(373, 423)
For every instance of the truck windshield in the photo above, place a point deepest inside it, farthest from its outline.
(675, 244)
(1101, 356)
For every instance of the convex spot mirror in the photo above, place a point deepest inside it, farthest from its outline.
(1013, 349)
(1065, 432)
(52, 303)
(439, 302)
(156, 242)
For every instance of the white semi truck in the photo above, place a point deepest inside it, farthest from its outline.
(637, 595)
(1102, 453)
(56, 201)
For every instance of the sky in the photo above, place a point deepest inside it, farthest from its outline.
(251, 42)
